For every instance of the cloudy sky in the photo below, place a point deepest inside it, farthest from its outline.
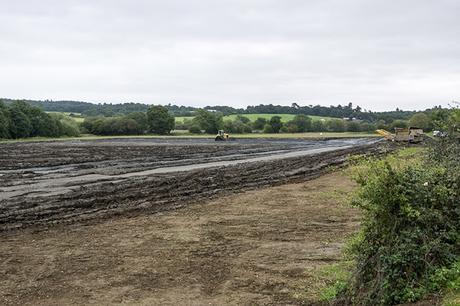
(379, 54)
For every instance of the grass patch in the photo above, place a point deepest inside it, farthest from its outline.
(325, 283)
(65, 113)
(450, 278)
(334, 279)
(77, 117)
(452, 298)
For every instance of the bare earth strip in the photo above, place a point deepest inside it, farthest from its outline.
(260, 247)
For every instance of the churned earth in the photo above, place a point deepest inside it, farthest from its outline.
(177, 222)
(260, 247)
(43, 184)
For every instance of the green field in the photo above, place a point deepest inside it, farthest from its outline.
(77, 116)
(253, 117)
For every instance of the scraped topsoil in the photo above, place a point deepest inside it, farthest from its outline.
(48, 183)
(261, 247)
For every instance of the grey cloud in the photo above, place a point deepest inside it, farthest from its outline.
(378, 54)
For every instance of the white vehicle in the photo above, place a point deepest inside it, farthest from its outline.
(439, 134)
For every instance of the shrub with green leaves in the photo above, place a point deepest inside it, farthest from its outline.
(410, 227)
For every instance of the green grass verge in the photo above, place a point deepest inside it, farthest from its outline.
(451, 294)
(334, 279)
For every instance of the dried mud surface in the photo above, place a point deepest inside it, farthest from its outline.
(44, 184)
(260, 247)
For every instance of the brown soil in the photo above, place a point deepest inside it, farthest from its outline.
(261, 247)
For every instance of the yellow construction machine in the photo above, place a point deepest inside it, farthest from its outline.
(387, 135)
(221, 136)
(411, 134)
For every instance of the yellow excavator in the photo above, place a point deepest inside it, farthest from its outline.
(387, 135)
(221, 136)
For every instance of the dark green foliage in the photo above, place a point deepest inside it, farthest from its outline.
(318, 126)
(68, 128)
(210, 122)
(20, 125)
(410, 228)
(275, 124)
(335, 125)
(112, 126)
(398, 124)
(289, 127)
(367, 127)
(439, 118)
(353, 126)
(259, 123)
(140, 118)
(24, 120)
(236, 126)
(225, 110)
(160, 121)
(243, 119)
(63, 126)
(194, 129)
(42, 124)
(300, 124)
(21, 120)
(382, 125)
(268, 129)
(422, 121)
(4, 121)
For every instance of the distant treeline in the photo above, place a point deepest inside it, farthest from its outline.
(21, 120)
(108, 110)
(211, 122)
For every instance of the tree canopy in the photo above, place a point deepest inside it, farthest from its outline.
(159, 120)
(208, 121)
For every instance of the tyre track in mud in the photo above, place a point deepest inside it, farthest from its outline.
(162, 192)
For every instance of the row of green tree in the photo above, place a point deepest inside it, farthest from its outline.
(211, 122)
(21, 120)
(159, 120)
(156, 120)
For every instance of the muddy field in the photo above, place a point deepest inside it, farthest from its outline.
(43, 184)
(98, 222)
(261, 247)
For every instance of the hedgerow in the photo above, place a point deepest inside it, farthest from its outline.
(409, 244)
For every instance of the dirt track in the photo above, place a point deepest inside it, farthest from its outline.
(60, 182)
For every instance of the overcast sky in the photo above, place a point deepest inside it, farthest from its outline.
(379, 54)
